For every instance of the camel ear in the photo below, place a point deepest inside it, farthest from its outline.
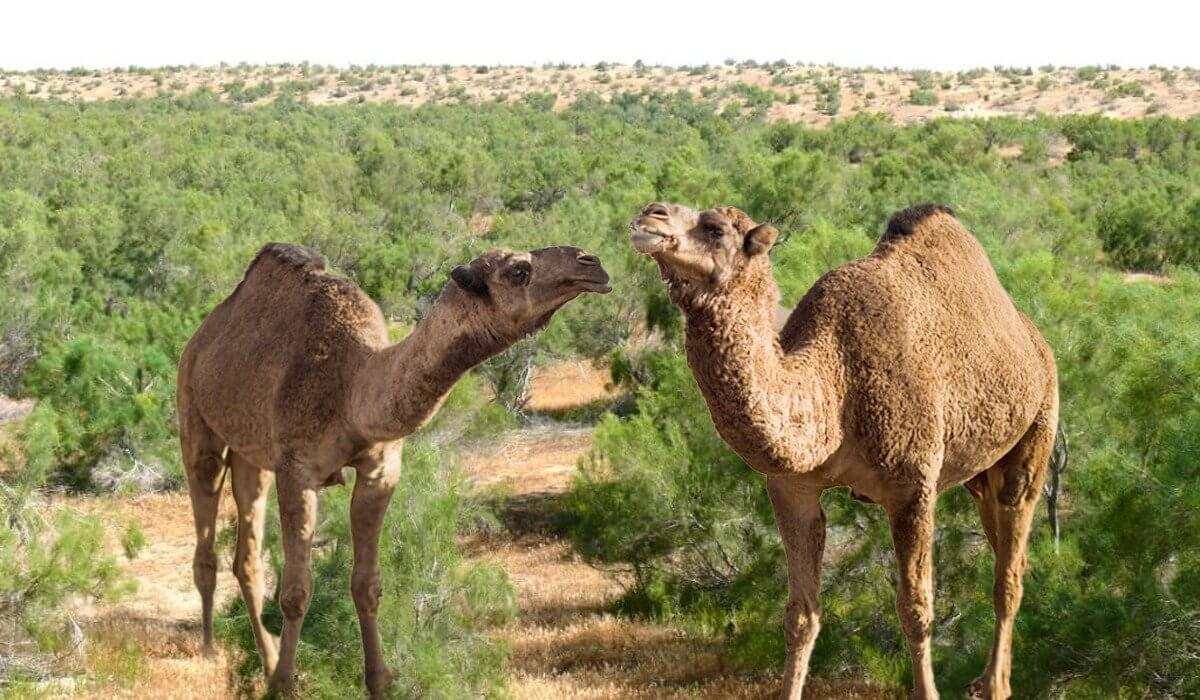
(760, 239)
(469, 279)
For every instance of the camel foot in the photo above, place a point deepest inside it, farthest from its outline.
(979, 689)
(377, 683)
(208, 650)
(282, 685)
(975, 689)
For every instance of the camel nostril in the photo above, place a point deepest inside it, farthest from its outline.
(588, 260)
(657, 209)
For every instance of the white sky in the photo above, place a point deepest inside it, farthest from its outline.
(937, 34)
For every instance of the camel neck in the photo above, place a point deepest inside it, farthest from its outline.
(401, 387)
(776, 409)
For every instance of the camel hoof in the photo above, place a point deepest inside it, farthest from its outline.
(979, 690)
(208, 651)
(975, 690)
(377, 684)
(281, 686)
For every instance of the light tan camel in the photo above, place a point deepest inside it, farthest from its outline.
(899, 375)
(292, 377)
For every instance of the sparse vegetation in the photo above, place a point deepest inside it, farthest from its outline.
(123, 222)
(416, 85)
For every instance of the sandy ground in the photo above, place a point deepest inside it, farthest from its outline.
(564, 644)
(162, 617)
(1116, 92)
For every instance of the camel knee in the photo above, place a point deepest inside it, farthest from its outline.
(803, 623)
(916, 618)
(294, 601)
(1008, 589)
(366, 590)
(245, 569)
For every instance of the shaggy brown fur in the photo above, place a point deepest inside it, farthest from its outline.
(899, 375)
(292, 377)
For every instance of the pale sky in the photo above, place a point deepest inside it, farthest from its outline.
(938, 34)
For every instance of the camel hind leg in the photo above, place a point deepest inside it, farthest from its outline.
(205, 468)
(251, 486)
(1006, 496)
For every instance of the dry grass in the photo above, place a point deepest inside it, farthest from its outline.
(1146, 278)
(569, 384)
(167, 659)
(147, 644)
(530, 461)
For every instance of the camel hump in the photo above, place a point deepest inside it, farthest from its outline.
(287, 256)
(291, 255)
(907, 221)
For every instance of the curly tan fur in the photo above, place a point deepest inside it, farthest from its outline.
(292, 378)
(899, 375)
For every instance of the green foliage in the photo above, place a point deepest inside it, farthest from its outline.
(133, 540)
(923, 98)
(434, 613)
(47, 561)
(829, 96)
(1143, 230)
(123, 223)
(1130, 89)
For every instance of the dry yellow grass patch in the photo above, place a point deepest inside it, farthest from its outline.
(1146, 278)
(568, 384)
(534, 460)
(160, 620)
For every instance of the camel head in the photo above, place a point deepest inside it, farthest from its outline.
(699, 253)
(519, 292)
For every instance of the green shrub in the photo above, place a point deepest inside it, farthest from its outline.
(829, 96)
(1129, 89)
(1134, 230)
(924, 98)
(48, 564)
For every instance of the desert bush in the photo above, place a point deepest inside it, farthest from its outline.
(51, 560)
(1134, 229)
(924, 98)
(829, 96)
(1126, 89)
